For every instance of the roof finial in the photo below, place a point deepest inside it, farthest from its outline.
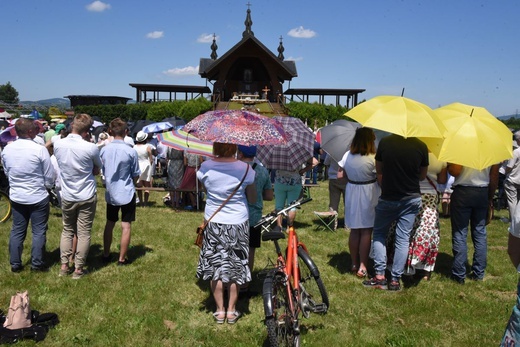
(248, 22)
(281, 49)
(214, 47)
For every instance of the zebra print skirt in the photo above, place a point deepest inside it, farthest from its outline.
(224, 253)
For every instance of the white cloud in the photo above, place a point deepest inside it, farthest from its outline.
(182, 71)
(155, 35)
(207, 38)
(302, 33)
(294, 58)
(98, 6)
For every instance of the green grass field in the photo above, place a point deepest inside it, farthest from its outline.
(157, 300)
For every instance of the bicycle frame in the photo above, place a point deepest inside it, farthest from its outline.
(288, 264)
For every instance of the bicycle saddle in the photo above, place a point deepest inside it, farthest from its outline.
(274, 234)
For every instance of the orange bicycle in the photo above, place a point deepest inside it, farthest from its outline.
(294, 286)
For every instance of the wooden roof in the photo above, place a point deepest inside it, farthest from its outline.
(248, 46)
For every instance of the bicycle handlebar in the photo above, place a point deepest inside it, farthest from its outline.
(271, 217)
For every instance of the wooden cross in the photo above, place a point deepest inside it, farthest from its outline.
(265, 90)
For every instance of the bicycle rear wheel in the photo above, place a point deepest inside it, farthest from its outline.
(279, 322)
(314, 297)
(5, 207)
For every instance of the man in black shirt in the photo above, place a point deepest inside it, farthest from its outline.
(400, 164)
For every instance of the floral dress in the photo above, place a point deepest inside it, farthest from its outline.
(425, 236)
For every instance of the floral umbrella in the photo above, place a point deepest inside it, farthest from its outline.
(240, 127)
(181, 140)
(292, 155)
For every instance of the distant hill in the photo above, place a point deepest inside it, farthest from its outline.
(56, 102)
(516, 116)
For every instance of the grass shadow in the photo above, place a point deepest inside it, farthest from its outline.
(340, 261)
(52, 257)
(443, 264)
(95, 261)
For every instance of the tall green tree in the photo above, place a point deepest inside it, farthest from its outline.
(8, 94)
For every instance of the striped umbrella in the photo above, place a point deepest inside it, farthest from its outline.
(181, 140)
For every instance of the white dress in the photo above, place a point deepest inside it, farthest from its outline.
(362, 195)
(144, 162)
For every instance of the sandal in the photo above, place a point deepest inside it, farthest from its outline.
(236, 315)
(354, 269)
(361, 273)
(217, 319)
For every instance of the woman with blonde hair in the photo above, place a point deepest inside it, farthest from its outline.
(361, 195)
(224, 255)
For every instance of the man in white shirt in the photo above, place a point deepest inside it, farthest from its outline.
(512, 181)
(79, 161)
(30, 172)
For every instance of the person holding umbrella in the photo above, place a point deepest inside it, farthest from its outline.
(401, 163)
(288, 188)
(473, 192)
(224, 254)
(264, 191)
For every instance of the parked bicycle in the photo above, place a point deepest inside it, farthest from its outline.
(5, 203)
(294, 286)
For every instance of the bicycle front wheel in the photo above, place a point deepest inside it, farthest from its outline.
(279, 321)
(5, 207)
(314, 297)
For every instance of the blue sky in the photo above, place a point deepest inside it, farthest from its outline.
(440, 51)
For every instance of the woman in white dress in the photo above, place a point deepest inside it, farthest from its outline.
(145, 158)
(361, 195)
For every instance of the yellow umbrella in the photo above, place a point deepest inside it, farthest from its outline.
(474, 137)
(398, 115)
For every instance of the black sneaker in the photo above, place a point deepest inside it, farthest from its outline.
(16, 269)
(457, 279)
(375, 283)
(394, 286)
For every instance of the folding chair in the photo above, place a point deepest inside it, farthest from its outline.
(329, 219)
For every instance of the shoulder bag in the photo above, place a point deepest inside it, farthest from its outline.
(202, 227)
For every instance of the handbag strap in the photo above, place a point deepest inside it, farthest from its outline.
(432, 184)
(229, 197)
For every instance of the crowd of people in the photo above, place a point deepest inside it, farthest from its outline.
(392, 193)
(67, 159)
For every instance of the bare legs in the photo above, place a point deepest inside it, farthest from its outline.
(291, 216)
(217, 288)
(359, 247)
(146, 184)
(125, 239)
